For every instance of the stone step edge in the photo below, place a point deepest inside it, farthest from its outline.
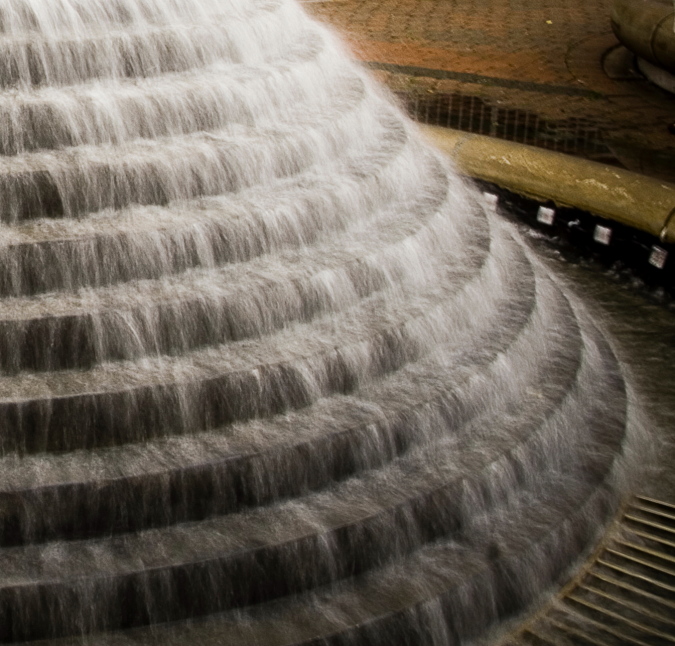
(304, 448)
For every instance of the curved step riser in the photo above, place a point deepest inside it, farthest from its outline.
(85, 421)
(218, 307)
(236, 480)
(66, 411)
(455, 609)
(256, 575)
(214, 231)
(58, 16)
(174, 328)
(211, 102)
(91, 179)
(69, 58)
(116, 112)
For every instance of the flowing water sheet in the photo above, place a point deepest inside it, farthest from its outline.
(270, 372)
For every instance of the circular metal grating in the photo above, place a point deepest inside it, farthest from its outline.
(626, 593)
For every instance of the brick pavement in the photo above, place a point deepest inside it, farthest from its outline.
(551, 59)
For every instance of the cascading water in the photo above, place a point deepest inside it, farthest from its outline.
(271, 374)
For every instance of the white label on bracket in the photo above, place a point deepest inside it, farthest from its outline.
(658, 257)
(602, 234)
(545, 215)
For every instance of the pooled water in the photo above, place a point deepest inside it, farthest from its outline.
(270, 371)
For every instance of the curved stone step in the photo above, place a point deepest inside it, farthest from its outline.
(290, 369)
(115, 111)
(245, 300)
(360, 524)
(259, 461)
(58, 16)
(432, 598)
(147, 242)
(249, 464)
(88, 179)
(72, 55)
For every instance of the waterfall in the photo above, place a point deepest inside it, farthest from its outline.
(270, 371)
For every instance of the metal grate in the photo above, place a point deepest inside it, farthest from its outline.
(627, 594)
(575, 136)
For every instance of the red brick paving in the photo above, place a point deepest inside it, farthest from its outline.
(532, 35)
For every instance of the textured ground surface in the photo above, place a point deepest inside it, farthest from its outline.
(556, 61)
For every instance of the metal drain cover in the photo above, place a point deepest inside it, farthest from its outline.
(626, 594)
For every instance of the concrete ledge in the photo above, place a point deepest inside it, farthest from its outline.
(629, 198)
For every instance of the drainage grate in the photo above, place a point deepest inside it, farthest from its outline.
(627, 594)
(575, 136)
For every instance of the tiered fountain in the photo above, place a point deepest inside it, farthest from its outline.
(271, 374)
